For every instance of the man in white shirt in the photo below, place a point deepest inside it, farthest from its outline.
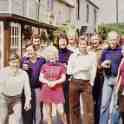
(82, 67)
(13, 81)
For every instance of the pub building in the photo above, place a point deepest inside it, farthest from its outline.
(15, 31)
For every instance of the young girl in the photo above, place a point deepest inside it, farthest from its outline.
(52, 76)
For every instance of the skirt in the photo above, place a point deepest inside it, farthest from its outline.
(52, 95)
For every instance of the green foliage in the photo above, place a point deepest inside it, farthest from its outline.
(67, 28)
(103, 29)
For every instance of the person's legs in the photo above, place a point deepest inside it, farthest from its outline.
(60, 110)
(104, 117)
(74, 102)
(66, 94)
(122, 117)
(105, 102)
(115, 117)
(28, 116)
(48, 109)
(3, 112)
(38, 106)
(88, 105)
(16, 117)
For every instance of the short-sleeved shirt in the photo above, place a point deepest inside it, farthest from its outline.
(53, 71)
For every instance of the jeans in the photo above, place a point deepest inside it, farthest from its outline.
(115, 117)
(106, 100)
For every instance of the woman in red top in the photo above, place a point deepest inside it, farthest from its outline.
(120, 86)
(52, 76)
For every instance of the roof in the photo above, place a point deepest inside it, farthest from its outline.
(21, 19)
(93, 4)
(67, 2)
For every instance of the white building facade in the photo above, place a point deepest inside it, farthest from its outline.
(85, 15)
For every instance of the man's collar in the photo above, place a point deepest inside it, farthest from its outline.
(78, 53)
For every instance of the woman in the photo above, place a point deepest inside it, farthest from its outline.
(96, 43)
(72, 43)
(119, 89)
(52, 76)
(13, 81)
(64, 54)
(32, 65)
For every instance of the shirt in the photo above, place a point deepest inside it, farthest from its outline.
(82, 66)
(64, 55)
(13, 85)
(53, 71)
(34, 70)
(115, 56)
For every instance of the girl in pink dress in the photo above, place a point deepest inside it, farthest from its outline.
(52, 75)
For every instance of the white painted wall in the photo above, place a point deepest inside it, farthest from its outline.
(17, 7)
(83, 15)
(43, 11)
(62, 12)
(4, 5)
(32, 9)
(107, 12)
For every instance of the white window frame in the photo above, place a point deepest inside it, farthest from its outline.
(2, 43)
(16, 37)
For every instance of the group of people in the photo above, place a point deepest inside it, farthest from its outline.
(77, 76)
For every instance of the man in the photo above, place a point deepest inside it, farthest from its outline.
(38, 47)
(32, 65)
(110, 60)
(36, 43)
(13, 81)
(64, 54)
(82, 68)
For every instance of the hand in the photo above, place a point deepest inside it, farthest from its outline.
(106, 64)
(25, 66)
(51, 84)
(27, 106)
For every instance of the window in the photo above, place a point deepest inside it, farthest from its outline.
(16, 37)
(50, 4)
(87, 13)
(78, 9)
(95, 16)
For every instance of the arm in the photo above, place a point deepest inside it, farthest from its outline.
(2, 79)
(118, 75)
(71, 68)
(61, 80)
(42, 79)
(118, 85)
(70, 65)
(93, 70)
(27, 89)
